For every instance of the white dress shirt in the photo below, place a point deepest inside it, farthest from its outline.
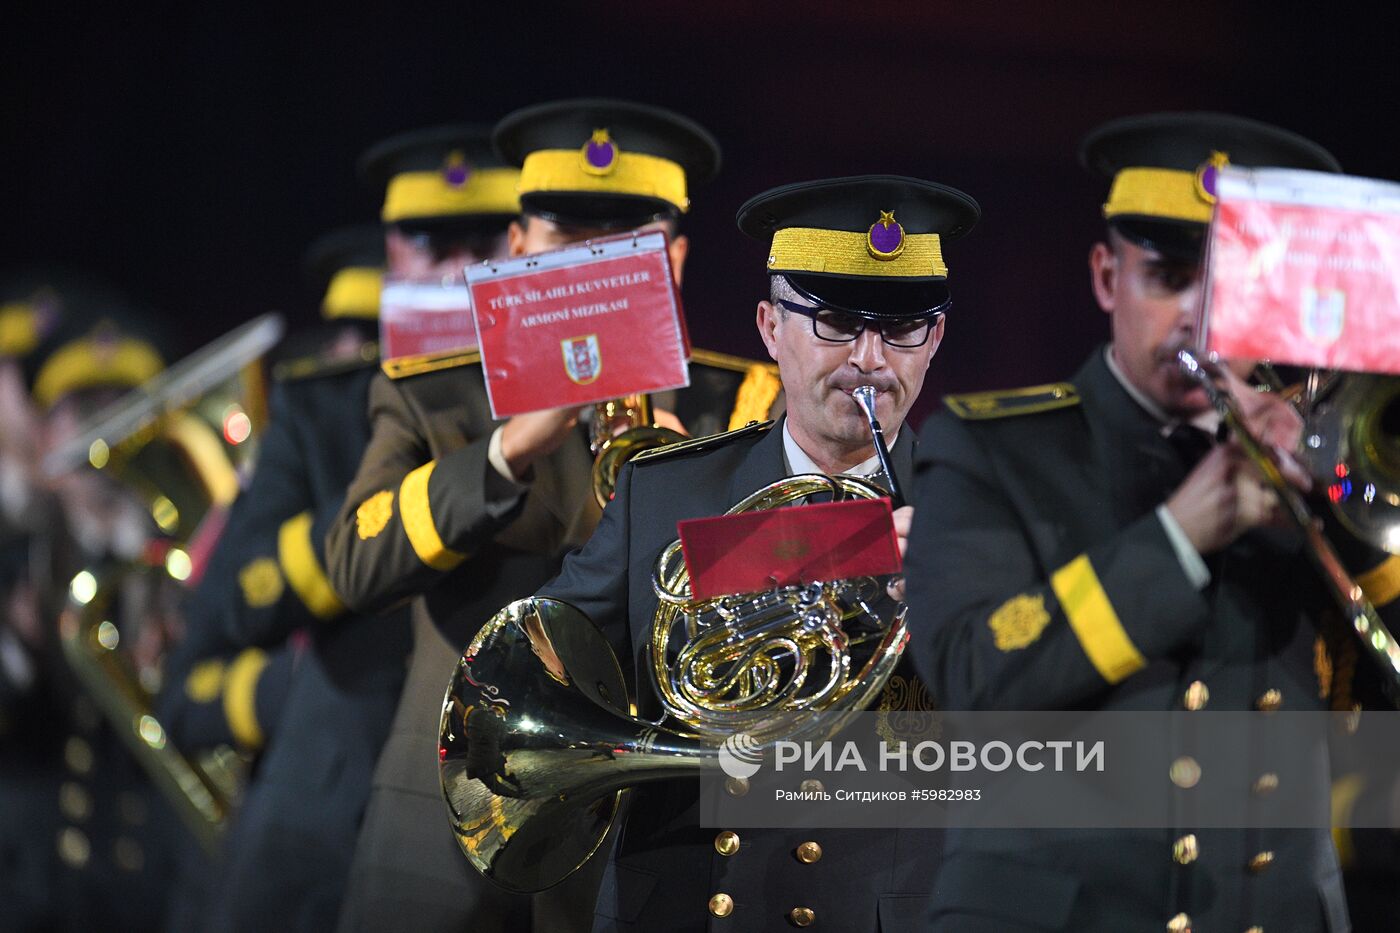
(1186, 554)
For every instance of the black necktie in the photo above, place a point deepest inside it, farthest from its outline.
(1191, 444)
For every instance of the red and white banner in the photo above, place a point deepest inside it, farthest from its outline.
(1303, 268)
(579, 325)
(419, 319)
(755, 551)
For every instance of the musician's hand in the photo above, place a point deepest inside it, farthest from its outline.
(903, 521)
(1269, 416)
(1275, 422)
(666, 419)
(526, 438)
(1291, 468)
(1222, 498)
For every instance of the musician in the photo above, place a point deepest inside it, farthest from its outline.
(94, 843)
(1086, 545)
(466, 514)
(272, 655)
(856, 296)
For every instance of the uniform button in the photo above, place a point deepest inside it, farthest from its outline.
(1185, 850)
(802, 916)
(77, 755)
(1267, 783)
(73, 847)
(1269, 701)
(74, 801)
(1261, 861)
(1181, 923)
(1255, 929)
(811, 786)
(128, 855)
(736, 787)
(721, 905)
(727, 843)
(1185, 772)
(1197, 695)
(809, 852)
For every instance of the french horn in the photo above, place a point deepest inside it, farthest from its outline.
(538, 738)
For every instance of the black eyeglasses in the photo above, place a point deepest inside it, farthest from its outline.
(843, 327)
(442, 242)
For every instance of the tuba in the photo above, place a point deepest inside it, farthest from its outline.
(538, 738)
(176, 443)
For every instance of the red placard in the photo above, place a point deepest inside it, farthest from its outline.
(579, 325)
(755, 551)
(1303, 268)
(422, 319)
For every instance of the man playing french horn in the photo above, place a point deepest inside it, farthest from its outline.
(857, 296)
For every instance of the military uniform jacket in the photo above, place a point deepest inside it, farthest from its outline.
(1040, 577)
(428, 514)
(665, 869)
(428, 517)
(266, 578)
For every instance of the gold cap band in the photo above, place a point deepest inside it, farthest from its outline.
(1171, 194)
(428, 194)
(812, 249)
(635, 173)
(89, 362)
(19, 330)
(354, 293)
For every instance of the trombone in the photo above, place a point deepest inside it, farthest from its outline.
(1376, 638)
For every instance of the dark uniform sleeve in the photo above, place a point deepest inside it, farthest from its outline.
(995, 626)
(408, 519)
(218, 693)
(267, 577)
(1374, 570)
(232, 699)
(227, 681)
(594, 579)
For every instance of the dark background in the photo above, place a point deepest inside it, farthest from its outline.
(189, 154)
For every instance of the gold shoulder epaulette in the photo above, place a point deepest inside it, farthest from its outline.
(1003, 403)
(696, 445)
(319, 364)
(738, 364)
(428, 362)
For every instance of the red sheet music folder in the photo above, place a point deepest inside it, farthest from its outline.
(800, 544)
(579, 325)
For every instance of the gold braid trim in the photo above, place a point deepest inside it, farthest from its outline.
(756, 395)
